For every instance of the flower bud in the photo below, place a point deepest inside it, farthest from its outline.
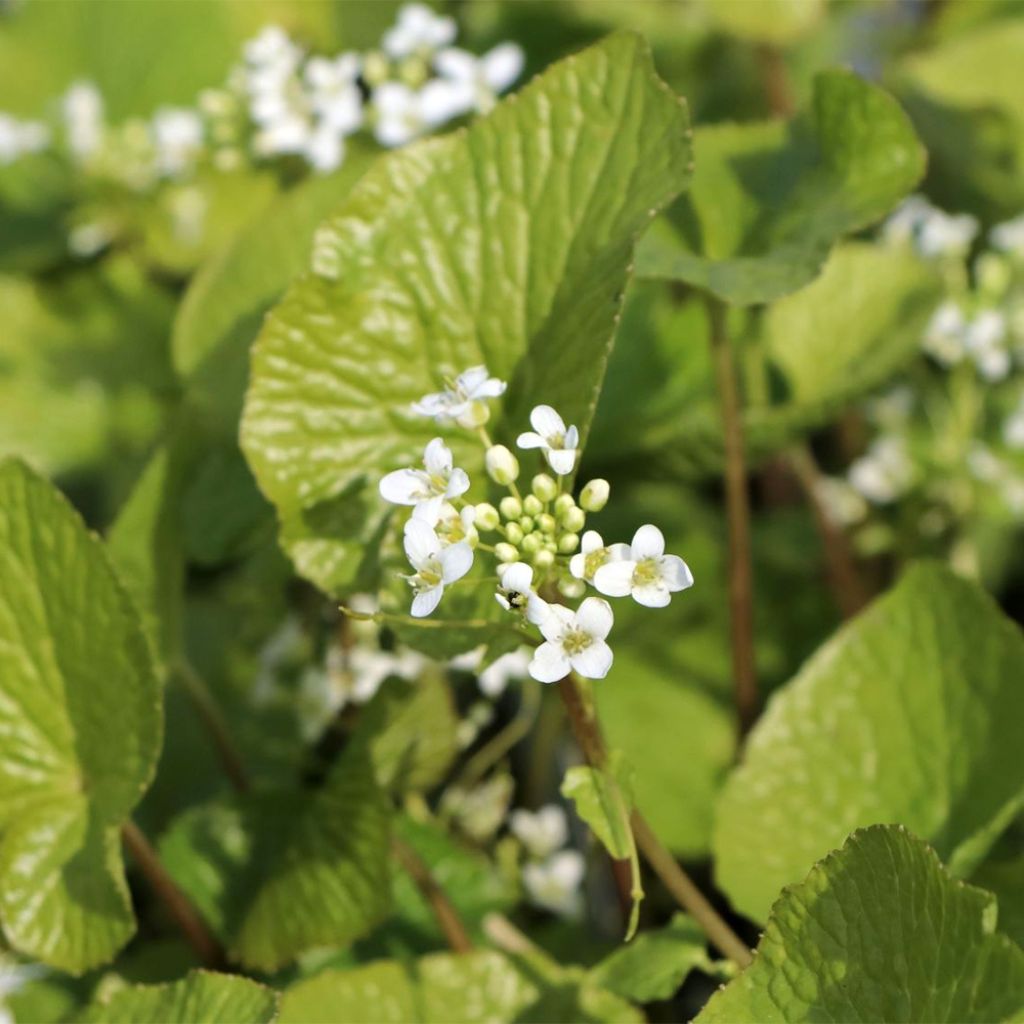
(532, 505)
(594, 496)
(532, 543)
(502, 466)
(574, 520)
(506, 552)
(544, 559)
(376, 68)
(544, 487)
(486, 516)
(475, 416)
(514, 533)
(568, 543)
(572, 588)
(546, 523)
(511, 508)
(993, 274)
(413, 71)
(563, 503)
(526, 522)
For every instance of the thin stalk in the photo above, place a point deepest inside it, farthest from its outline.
(587, 730)
(216, 726)
(849, 589)
(737, 496)
(775, 80)
(187, 918)
(446, 915)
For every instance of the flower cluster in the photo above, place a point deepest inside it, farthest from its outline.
(533, 537)
(552, 874)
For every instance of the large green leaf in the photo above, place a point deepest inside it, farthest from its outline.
(277, 874)
(911, 713)
(769, 200)
(507, 244)
(202, 997)
(878, 932)
(476, 987)
(80, 730)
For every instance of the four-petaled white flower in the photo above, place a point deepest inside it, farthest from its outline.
(478, 80)
(450, 525)
(418, 30)
(554, 883)
(541, 832)
(436, 566)
(455, 403)
(593, 554)
(553, 438)
(516, 592)
(426, 488)
(648, 573)
(574, 640)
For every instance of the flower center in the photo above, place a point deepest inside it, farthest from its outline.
(594, 561)
(429, 576)
(646, 573)
(576, 641)
(438, 483)
(556, 441)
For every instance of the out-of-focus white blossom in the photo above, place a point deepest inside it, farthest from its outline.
(477, 81)
(985, 340)
(19, 138)
(554, 884)
(1008, 237)
(884, 472)
(418, 31)
(541, 832)
(82, 107)
(944, 337)
(933, 232)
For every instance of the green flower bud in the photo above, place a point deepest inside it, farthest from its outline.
(568, 543)
(506, 552)
(992, 273)
(547, 523)
(486, 517)
(532, 543)
(551, 544)
(574, 520)
(544, 559)
(544, 487)
(514, 533)
(502, 466)
(376, 68)
(526, 522)
(413, 71)
(563, 503)
(511, 508)
(532, 505)
(475, 416)
(594, 496)
(571, 587)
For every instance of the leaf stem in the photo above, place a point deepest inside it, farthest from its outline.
(587, 730)
(187, 918)
(737, 495)
(447, 916)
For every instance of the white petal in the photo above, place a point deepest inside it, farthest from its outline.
(593, 662)
(402, 487)
(491, 388)
(518, 576)
(456, 64)
(561, 460)
(458, 483)
(567, 867)
(537, 609)
(676, 573)
(456, 561)
(437, 457)
(546, 421)
(615, 578)
(648, 542)
(469, 380)
(393, 131)
(618, 552)
(502, 66)
(653, 595)
(503, 601)
(595, 617)
(572, 438)
(578, 565)
(530, 440)
(421, 542)
(549, 663)
(441, 100)
(392, 99)
(429, 509)
(426, 601)
(591, 542)
(556, 619)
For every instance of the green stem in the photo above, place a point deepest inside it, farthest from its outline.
(444, 912)
(504, 741)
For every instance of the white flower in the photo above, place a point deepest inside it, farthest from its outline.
(884, 472)
(541, 832)
(418, 30)
(178, 138)
(272, 48)
(842, 504)
(651, 576)
(945, 234)
(427, 487)
(20, 137)
(985, 340)
(983, 463)
(495, 678)
(554, 884)
(436, 566)
(455, 403)
(551, 436)
(516, 592)
(1013, 428)
(334, 94)
(574, 640)
(1009, 236)
(478, 80)
(593, 554)
(450, 525)
(83, 119)
(944, 336)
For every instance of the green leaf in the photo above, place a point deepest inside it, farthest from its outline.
(1005, 878)
(604, 800)
(878, 931)
(278, 874)
(80, 717)
(911, 713)
(202, 997)
(769, 201)
(475, 987)
(507, 244)
(655, 963)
